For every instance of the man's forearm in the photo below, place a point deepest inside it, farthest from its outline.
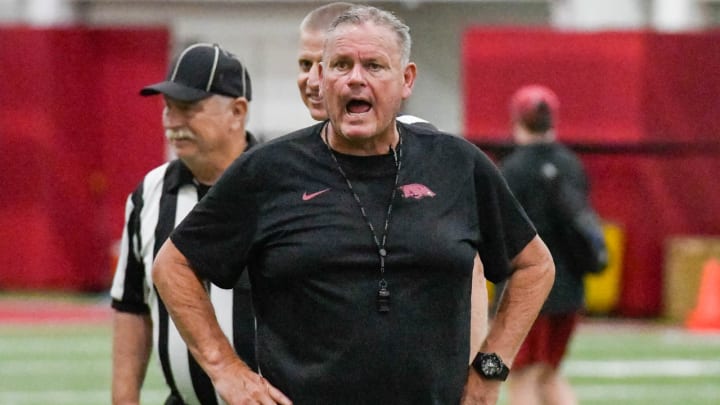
(191, 310)
(132, 345)
(478, 308)
(521, 301)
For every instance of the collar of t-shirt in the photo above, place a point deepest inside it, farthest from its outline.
(202, 189)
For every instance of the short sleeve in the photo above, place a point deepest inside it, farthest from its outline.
(217, 234)
(129, 292)
(504, 226)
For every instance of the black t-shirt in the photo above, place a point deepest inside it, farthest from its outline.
(524, 170)
(285, 211)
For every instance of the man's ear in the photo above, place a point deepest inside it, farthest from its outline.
(409, 76)
(240, 106)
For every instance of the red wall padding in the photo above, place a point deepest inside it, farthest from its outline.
(632, 89)
(75, 138)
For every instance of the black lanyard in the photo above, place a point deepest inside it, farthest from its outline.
(383, 295)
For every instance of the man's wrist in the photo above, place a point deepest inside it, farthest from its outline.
(490, 366)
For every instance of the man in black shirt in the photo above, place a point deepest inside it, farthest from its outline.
(312, 37)
(359, 235)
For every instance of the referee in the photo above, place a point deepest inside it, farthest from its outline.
(206, 94)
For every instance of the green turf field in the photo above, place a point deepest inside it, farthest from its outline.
(611, 362)
(61, 365)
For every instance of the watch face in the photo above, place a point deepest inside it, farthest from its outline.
(490, 366)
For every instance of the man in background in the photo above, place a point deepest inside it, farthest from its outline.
(310, 49)
(534, 165)
(206, 93)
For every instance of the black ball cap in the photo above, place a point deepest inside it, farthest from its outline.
(200, 71)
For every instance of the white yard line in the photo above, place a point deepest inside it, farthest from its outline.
(642, 368)
(60, 367)
(52, 346)
(62, 397)
(647, 392)
(571, 368)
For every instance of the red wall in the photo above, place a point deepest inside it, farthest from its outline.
(644, 111)
(75, 138)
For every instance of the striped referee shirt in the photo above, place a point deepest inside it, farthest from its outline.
(163, 198)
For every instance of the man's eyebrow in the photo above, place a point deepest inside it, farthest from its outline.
(337, 56)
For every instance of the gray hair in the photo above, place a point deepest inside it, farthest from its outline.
(320, 18)
(363, 14)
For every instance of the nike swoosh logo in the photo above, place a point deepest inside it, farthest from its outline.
(310, 196)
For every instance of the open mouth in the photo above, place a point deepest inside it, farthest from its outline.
(358, 106)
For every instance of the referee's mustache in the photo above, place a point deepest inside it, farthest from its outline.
(179, 134)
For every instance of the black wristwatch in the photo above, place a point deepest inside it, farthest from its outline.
(490, 366)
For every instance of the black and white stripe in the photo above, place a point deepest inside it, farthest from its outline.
(162, 200)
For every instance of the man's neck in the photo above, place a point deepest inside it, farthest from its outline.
(376, 145)
(207, 169)
(206, 172)
(523, 136)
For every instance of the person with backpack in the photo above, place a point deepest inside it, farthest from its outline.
(550, 183)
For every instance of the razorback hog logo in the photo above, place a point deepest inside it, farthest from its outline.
(416, 191)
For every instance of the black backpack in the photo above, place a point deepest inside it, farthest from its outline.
(581, 227)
